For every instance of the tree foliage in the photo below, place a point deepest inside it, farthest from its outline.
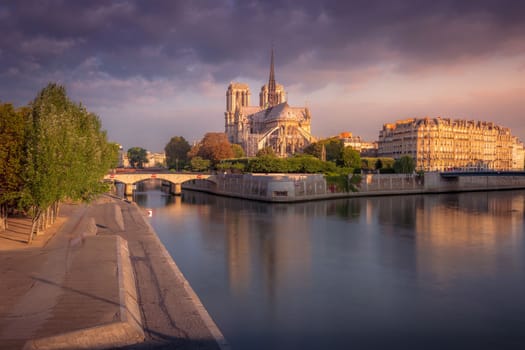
(137, 157)
(199, 164)
(237, 150)
(333, 149)
(234, 165)
(267, 164)
(314, 149)
(214, 147)
(12, 129)
(381, 164)
(296, 164)
(350, 158)
(58, 151)
(266, 151)
(404, 165)
(177, 152)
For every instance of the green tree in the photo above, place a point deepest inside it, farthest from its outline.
(266, 151)
(387, 165)
(307, 164)
(235, 165)
(315, 149)
(404, 165)
(237, 150)
(177, 152)
(333, 149)
(350, 158)
(238, 167)
(224, 166)
(267, 164)
(48, 153)
(379, 164)
(137, 157)
(199, 164)
(66, 155)
(295, 164)
(12, 129)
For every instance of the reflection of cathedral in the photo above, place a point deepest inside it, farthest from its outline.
(271, 124)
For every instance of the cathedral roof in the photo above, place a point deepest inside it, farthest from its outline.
(282, 111)
(248, 110)
(279, 111)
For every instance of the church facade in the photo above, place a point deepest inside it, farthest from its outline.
(273, 123)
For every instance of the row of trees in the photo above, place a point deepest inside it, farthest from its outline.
(213, 148)
(403, 165)
(325, 156)
(334, 150)
(51, 150)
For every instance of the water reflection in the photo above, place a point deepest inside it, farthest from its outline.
(423, 271)
(263, 244)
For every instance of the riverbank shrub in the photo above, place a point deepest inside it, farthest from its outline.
(342, 182)
(199, 164)
(267, 164)
(233, 165)
(303, 164)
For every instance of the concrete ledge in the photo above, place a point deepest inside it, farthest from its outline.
(119, 220)
(127, 327)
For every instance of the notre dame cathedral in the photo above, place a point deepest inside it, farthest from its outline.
(273, 123)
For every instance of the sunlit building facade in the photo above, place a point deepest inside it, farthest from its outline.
(155, 160)
(443, 144)
(365, 148)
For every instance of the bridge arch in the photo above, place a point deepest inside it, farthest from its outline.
(176, 179)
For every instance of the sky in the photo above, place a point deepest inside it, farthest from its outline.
(156, 69)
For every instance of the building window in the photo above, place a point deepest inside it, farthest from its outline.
(280, 193)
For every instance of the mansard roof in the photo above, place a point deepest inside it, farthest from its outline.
(440, 121)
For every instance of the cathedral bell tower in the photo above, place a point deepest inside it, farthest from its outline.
(237, 95)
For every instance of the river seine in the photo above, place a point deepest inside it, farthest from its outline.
(402, 272)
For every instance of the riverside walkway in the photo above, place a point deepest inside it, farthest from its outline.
(103, 280)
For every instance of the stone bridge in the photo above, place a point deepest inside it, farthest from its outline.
(175, 179)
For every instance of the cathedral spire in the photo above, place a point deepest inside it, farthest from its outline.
(272, 93)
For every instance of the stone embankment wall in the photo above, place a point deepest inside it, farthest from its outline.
(265, 187)
(304, 187)
(435, 183)
(391, 183)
